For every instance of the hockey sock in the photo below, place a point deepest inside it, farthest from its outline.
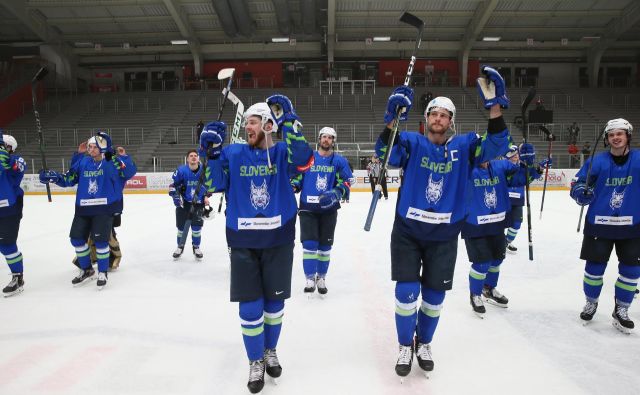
(493, 274)
(179, 237)
(512, 232)
(196, 232)
(13, 257)
(627, 283)
(252, 322)
(310, 258)
(273, 312)
(82, 253)
(406, 304)
(593, 273)
(429, 314)
(477, 276)
(324, 256)
(102, 255)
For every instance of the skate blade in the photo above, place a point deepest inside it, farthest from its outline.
(14, 293)
(585, 323)
(494, 303)
(621, 328)
(274, 380)
(100, 287)
(85, 282)
(512, 252)
(479, 315)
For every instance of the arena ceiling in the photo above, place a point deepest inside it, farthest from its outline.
(110, 32)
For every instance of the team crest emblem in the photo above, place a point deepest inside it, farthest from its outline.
(321, 183)
(93, 187)
(491, 198)
(434, 189)
(616, 199)
(259, 195)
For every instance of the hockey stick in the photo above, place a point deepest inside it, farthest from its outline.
(419, 25)
(222, 74)
(34, 83)
(522, 123)
(237, 123)
(550, 137)
(593, 152)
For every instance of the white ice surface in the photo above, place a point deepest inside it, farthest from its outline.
(165, 327)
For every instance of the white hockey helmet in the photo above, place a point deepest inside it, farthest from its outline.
(92, 140)
(618, 123)
(262, 111)
(328, 130)
(445, 103)
(10, 142)
(513, 149)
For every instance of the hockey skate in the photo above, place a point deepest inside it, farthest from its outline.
(310, 286)
(322, 286)
(423, 355)
(588, 311)
(477, 305)
(102, 280)
(256, 376)
(621, 320)
(273, 368)
(196, 251)
(178, 252)
(405, 358)
(494, 297)
(511, 249)
(15, 286)
(83, 276)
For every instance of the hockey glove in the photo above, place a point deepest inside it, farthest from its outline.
(17, 164)
(175, 195)
(49, 176)
(208, 213)
(527, 154)
(330, 198)
(103, 141)
(546, 162)
(494, 93)
(582, 194)
(282, 109)
(211, 139)
(295, 184)
(402, 97)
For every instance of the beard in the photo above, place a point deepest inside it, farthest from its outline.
(258, 140)
(326, 147)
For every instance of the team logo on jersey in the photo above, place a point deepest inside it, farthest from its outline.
(491, 198)
(259, 195)
(434, 189)
(93, 187)
(616, 199)
(321, 183)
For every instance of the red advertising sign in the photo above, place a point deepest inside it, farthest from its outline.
(137, 182)
(103, 75)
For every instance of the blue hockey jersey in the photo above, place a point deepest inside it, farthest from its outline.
(261, 205)
(10, 191)
(431, 200)
(615, 211)
(186, 180)
(326, 173)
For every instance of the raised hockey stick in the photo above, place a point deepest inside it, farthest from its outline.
(522, 123)
(237, 124)
(593, 152)
(222, 74)
(34, 84)
(550, 137)
(419, 25)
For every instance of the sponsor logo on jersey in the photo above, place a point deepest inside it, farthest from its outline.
(93, 202)
(607, 220)
(428, 216)
(4, 203)
(434, 189)
(515, 195)
(313, 199)
(491, 218)
(259, 223)
(260, 195)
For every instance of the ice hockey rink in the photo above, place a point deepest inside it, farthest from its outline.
(167, 327)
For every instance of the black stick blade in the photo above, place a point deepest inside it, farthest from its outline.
(40, 74)
(530, 96)
(412, 20)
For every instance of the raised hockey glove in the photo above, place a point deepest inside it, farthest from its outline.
(494, 93)
(211, 139)
(527, 154)
(402, 97)
(282, 109)
(330, 198)
(49, 176)
(175, 195)
(17, 164)
(582, 194)
(103, 141)
(546, 162)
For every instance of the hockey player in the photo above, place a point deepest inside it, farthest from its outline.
(516, 195)
(488, 208)
(612, 192)
(12, 169)
(431, 208)
(321, 188)
(182, 190)
(100, 177)
(260, 221)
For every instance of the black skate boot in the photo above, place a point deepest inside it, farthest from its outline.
(405, 358)
(178, 252)
(197, 252)
(83, 276)
(588, 311)
(102, 280)
(621, 319)
(310, 286)
(322, 286)
(423, 355)
(477, 305)
(491, 295)
(15, 286)
(271, 361)
(256, 376)
(511, 249)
